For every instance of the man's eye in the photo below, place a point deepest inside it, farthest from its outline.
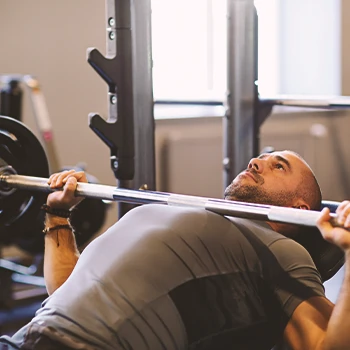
(279, 166)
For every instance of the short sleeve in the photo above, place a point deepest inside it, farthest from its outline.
(299, 279)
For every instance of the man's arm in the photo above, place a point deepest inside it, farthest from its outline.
(61, 253)
(317, 323)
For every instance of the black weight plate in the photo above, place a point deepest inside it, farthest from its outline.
(87, 219)
(22, 150)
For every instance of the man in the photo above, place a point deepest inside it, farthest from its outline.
(178, 278)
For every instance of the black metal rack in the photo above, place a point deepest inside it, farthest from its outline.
(127, 70)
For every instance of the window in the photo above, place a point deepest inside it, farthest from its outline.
(309, 47)
(299, 48)
(268, 53)
(189, 45)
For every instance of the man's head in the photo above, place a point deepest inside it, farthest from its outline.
(278, 178)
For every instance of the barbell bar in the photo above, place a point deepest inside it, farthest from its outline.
(10, 181)
(21, 221)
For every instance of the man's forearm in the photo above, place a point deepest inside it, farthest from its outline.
(338, 334)
(61, 253)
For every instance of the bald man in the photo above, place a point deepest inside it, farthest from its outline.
(178, 278)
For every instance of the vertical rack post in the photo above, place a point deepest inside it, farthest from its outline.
(127, 70)
(240, 127)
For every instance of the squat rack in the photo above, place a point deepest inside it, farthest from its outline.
(127, 70)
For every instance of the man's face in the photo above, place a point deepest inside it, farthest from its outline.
(272, 178)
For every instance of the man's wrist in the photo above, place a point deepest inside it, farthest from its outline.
(63, 213)
(347, 254)
(53, 220)
(56, 228)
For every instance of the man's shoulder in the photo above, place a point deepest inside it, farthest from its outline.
(263, 238)
(258, 228)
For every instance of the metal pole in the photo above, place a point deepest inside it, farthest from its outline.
(219, 206)
(144, 124)
(127, 69)
(240, 131)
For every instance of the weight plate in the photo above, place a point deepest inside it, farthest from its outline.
(20, 149)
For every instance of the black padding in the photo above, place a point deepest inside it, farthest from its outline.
(328, 258)
(331, 205)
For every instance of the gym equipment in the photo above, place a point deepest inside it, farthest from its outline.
(11, 98)
(9, 180)
(245, 109)
(127, 70)
(21, 219)
(20, 148)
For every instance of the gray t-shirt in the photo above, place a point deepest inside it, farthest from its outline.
(179, 278)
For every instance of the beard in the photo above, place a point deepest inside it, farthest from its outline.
(254, 194)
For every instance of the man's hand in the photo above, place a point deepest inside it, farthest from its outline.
(67, 181)
(336, 235)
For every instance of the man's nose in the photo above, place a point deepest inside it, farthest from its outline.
(256, 164)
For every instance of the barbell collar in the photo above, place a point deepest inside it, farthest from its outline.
(219, 206)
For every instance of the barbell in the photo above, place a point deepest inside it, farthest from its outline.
(10, 181)
(24, 166)
(24, 187)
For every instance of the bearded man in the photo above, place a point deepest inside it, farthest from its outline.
(177, 278)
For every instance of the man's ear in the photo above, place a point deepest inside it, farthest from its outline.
(301, 204)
